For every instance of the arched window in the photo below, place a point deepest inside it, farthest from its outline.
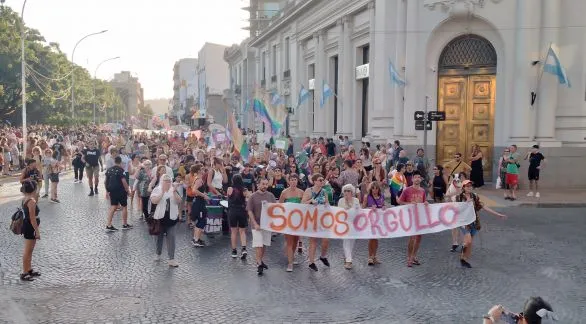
(468, 54)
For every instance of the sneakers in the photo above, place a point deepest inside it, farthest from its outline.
(537, 195)
(454, 248)
(126, 226)
(260, 269)
(75, 181)
(289, 268)
(264, 265)
(347, 265)
(157, 258)
(243, 254)
(325, 261)
(91, 193)
(45, 196)
(234, 253)
(96, 190)
(111, 228)
(55, 201)
(530, 194)
(172, 263)
(198, 243)
(312, 266)
(465, 264)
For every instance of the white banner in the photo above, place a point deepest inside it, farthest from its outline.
(357, 223)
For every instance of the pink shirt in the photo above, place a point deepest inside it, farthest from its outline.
(412, 194)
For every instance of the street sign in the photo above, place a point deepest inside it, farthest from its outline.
(419, 115)
(436, 116)
(420, 124)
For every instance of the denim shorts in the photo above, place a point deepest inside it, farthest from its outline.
(469, 229)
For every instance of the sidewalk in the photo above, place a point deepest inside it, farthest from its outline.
(571, 198)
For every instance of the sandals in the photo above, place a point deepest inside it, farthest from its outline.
(33, 273)
(370, 261)
(26, 277)
(416, 262)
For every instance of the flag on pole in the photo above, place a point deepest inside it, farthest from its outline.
(276, 99)
(238, 139)
(303, 96)
(395, 77)
(326, 93)
(553, 66)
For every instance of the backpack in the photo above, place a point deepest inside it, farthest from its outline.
(17, 220)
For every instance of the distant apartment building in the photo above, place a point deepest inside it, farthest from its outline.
(213, 78)
(185, 87)
(130, 91)
(241, 60)
(261, 12)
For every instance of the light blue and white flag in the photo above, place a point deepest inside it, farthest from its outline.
(326, 93)
(395, 77)
(276, 99)
(303, 96)
(553, 66)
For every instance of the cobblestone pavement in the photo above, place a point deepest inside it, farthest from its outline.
(90, 276)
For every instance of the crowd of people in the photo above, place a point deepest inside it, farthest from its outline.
(180, 178)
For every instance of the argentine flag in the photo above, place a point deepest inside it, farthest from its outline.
(303, 96)
(395, 78)
(326, 93)
(554, 66)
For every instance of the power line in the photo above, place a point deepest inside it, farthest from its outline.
(48, 78)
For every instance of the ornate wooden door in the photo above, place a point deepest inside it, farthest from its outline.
(468, 101)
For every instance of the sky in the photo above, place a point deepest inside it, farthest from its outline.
(148, 35)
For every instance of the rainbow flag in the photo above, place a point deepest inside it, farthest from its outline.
(235, 134)
(272, 115)
(397, 183)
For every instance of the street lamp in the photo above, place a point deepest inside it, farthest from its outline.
(23, 82)
(94, 83)
(73, 74)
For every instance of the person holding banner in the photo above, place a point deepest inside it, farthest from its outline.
(260, 238)
(376, 200)
(414, 194)
(469, 231)
(292, 195)
(317, 196)
(348, 201)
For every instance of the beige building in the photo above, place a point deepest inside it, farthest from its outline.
(131, 92)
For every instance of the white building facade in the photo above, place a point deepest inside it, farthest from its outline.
(241, 61)
(213, 78)
(477, 60)
(185, 87)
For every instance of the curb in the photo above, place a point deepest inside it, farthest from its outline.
(553, 205)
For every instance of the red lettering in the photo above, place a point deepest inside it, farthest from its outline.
(357, 219)
(271, 212)
(341, 222)
(431, 223)
(374, 218)
(402, 220)
(309, 217)
(418, 225)
(391, 225)
(443, 214)
(293, 213)
(323, 217)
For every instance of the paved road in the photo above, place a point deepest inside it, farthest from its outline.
(92, 276)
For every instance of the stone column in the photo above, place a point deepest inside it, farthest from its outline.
(527, 49)
(295, 82)
(547, 102)
(299, 75)
(411, 64)
(399, 63)
(320, 76)
(341, 73)
(348, 82)
(373, 75)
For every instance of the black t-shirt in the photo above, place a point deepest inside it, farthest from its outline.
(92, 157)
(331, 148)
(277, 187)
(535, 160)
(57, 147)
(114, 177)
(248, 180)
(33, 174)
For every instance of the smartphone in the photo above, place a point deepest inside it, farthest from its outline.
(509, 318)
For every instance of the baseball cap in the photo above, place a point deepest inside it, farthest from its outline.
(535, 146)
(466, 182)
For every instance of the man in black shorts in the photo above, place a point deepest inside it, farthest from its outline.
(117, 192)
(91, 158)
(535, 165)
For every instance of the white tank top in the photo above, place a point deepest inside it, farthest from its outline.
(217, 180)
